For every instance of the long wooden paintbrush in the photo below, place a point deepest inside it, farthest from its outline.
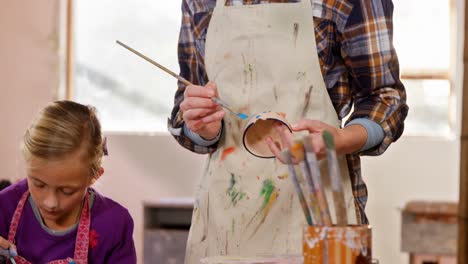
(335, 177)
(314, 169)
(286, 155)
(297, 150)
(216, 100)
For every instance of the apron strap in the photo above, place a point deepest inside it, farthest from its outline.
(306, 3)
(16, 217)
(220, 3)
(82, 237)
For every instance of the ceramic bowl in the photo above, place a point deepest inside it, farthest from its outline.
(258, 128)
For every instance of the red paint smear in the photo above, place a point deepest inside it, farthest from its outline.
(227, 152)
(258, 177)
(93, 239)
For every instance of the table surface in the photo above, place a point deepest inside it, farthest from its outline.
(184, 203)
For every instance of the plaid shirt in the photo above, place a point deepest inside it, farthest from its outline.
(357, 59)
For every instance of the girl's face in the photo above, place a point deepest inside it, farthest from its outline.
(58, 188)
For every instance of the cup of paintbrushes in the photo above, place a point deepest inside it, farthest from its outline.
(341, 243)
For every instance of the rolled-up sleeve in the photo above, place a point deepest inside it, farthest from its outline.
(373, 67)
(192, 68)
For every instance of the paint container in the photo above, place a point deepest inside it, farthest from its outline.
(253, 260)
(337, 244)
(258, 128)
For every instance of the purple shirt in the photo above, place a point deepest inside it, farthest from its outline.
(111, 239)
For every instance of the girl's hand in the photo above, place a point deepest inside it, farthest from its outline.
(7, 249)
(200, 113)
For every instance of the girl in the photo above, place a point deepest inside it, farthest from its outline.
(54, 216)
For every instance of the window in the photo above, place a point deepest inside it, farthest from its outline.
(130, 94)
(423, 38)
(134, 96)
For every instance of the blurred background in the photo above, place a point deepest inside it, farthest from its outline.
(66, 49)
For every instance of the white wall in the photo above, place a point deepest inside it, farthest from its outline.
(412, 169)
(145, 167)
(28, 70)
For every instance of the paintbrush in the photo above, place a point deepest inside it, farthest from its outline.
(314, 171)
(297, 150)
(286, 155)
(216, 100)
(9, 253)
(335, 177)
(222, 103)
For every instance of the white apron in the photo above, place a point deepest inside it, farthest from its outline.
(262, 57)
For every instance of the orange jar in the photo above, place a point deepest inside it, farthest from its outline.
(337, 245)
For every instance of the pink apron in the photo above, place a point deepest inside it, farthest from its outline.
(82, 237)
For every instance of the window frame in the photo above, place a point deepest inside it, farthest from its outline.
(448, 75)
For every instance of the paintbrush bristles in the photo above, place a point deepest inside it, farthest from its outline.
(297, 150)
(285, 155)
(328, 140)
(307, 143)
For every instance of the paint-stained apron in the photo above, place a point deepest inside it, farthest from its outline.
(262, 57)
(82, 237)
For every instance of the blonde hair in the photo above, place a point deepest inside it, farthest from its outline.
(62, 128)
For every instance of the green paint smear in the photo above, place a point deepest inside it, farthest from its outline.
(251, 69)
(233, 193)
(267, 190)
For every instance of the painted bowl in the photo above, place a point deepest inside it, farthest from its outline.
(258, 128)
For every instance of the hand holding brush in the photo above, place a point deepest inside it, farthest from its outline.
(214, 98)
(8, 254)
